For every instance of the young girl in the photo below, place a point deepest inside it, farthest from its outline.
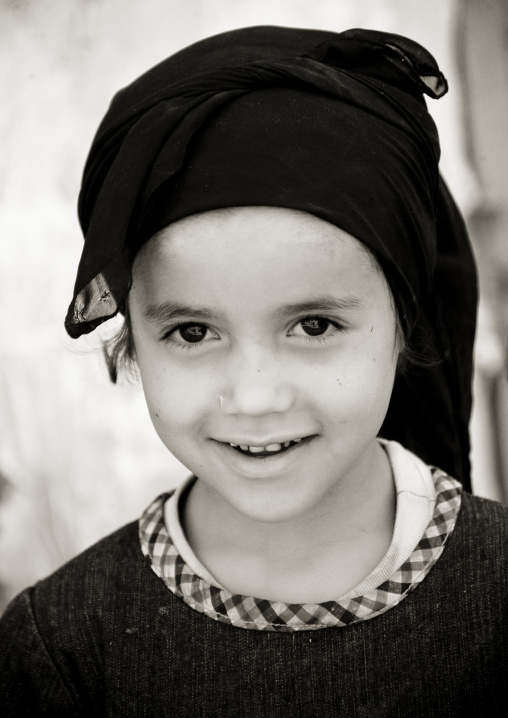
(265, 209)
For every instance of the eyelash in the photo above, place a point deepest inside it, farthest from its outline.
(319, 339)
(166, 338)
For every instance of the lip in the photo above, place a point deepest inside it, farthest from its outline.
(263, 467)
(242, 441)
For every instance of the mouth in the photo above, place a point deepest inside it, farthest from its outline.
(274, 449)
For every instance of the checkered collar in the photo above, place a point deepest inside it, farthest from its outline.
(263, 615)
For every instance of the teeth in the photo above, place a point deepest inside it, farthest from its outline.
(269, 447)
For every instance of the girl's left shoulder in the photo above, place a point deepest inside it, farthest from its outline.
(476, 509)
(481, 532)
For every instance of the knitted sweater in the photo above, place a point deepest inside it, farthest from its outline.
(103, 636)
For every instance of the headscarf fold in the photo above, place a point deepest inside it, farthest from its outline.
(332, 124)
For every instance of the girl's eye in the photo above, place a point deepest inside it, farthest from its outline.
(314, 327)
(188, 334)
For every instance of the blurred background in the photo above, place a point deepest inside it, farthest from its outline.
(78, 456)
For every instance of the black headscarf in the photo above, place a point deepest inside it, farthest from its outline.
(331, 124)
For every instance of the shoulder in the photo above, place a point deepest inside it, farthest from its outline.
(110, 574)
(479, 542)
(480, 514)
(93, 569)
(78, 600)
(119, 547)
(41, 624)
(55, 637)
(85, 585)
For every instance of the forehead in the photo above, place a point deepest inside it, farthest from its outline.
(263, 251)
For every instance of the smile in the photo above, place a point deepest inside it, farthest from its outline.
(269, 450)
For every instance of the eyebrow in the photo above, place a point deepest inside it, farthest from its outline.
(322, 304)
(166, 311)
(159, 313)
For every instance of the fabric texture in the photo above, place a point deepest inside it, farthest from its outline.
(103, 636)
(264, 615)
(416, 502)
(331, 124)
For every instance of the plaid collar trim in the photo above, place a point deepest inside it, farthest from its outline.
(263, 615)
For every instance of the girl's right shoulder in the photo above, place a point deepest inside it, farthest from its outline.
(55, 636)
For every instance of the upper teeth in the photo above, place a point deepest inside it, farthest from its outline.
(269, 447)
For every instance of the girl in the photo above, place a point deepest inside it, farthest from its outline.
(266, 211)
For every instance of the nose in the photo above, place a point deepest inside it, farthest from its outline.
(256, 385)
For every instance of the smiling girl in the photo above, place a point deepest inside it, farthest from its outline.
(256, 328)
(266, 211)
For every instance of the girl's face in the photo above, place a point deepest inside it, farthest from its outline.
(255, 327)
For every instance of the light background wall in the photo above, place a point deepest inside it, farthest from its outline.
(78, 456)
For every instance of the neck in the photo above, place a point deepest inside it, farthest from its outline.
(350, 528)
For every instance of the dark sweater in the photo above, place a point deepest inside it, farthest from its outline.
(104, 636)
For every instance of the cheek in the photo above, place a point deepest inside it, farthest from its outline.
(375, 378)
(176, 398)
(358, 388)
